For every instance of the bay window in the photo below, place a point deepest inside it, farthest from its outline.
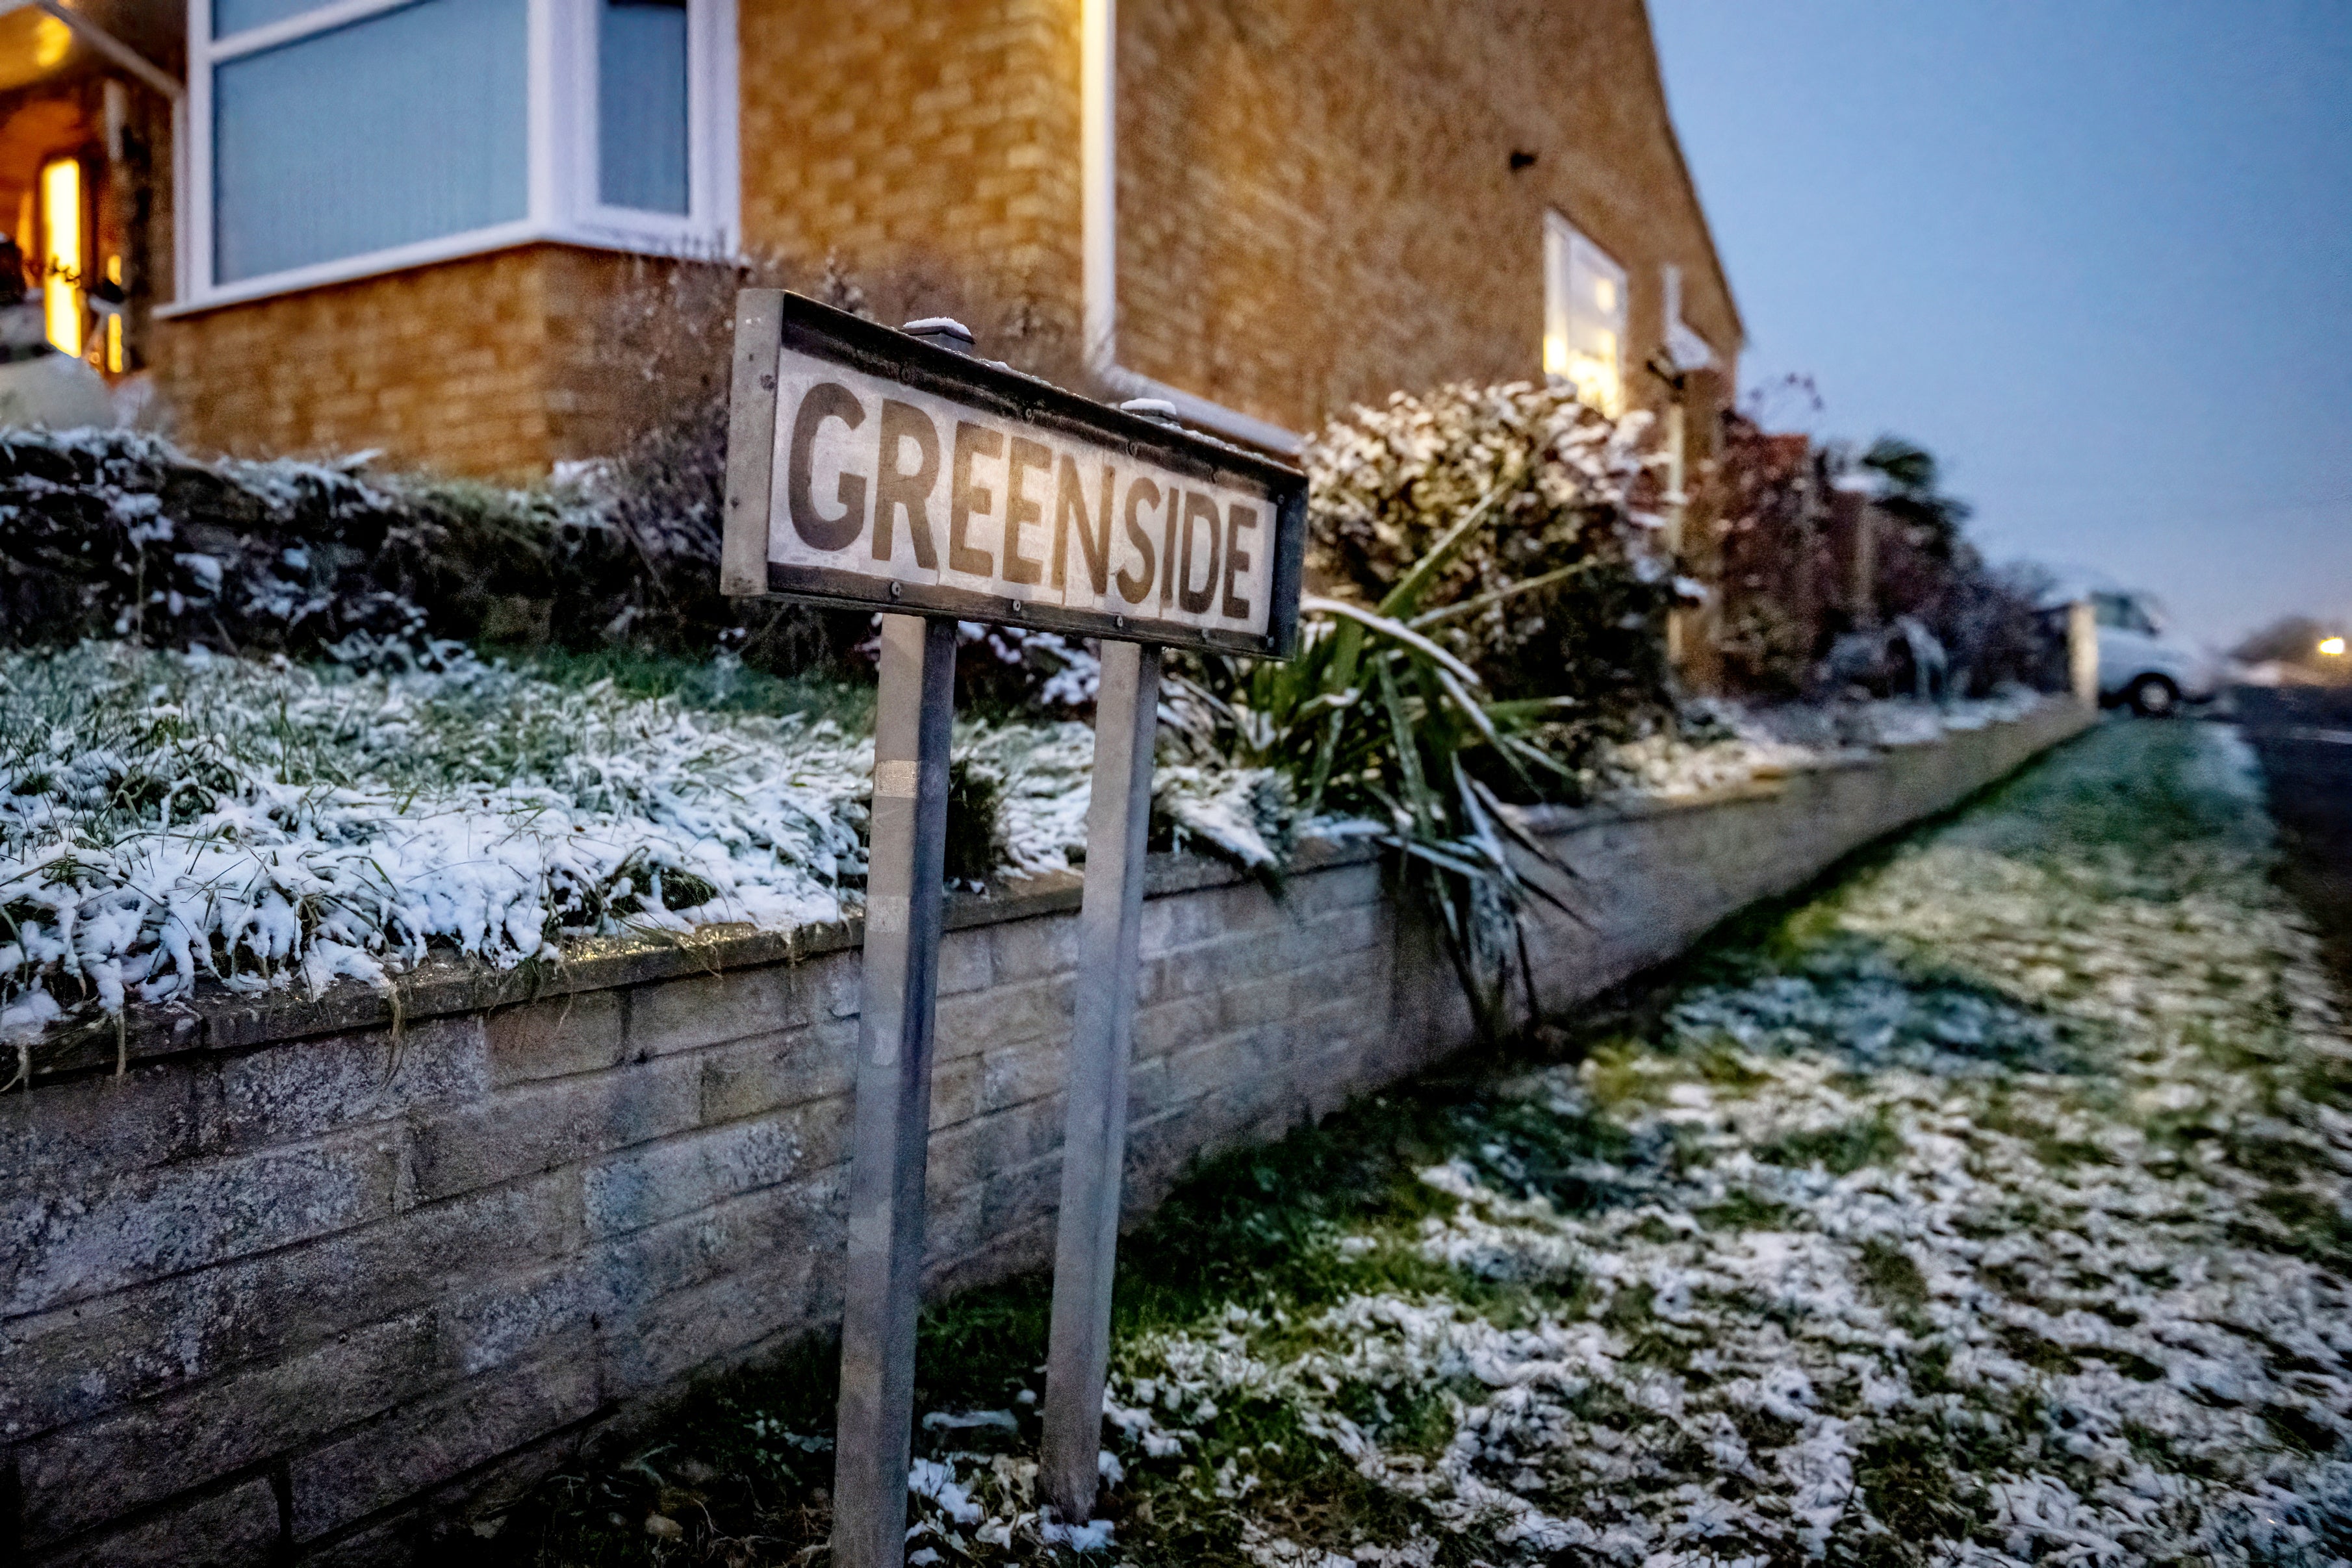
(335, 139)
(1584, 317)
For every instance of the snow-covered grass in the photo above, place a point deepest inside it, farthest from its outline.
(1724, 743)
(1989, 1208)
(167, 818)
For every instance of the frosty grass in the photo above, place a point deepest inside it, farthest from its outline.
(166, 818)
(1991, 1211)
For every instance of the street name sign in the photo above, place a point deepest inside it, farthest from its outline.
(874, 469)
(867, 468)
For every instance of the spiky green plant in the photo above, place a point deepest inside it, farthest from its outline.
(1373, 717)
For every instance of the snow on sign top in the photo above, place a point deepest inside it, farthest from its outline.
(867, 467)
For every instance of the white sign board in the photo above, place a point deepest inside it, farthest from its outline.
(872, 468)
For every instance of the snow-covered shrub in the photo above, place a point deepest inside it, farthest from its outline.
(168, 818)
(118, 534)
(1562, 590)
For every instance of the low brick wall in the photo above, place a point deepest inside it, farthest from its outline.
(284, 1284)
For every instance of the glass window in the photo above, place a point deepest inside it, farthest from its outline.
(2119, 612)
(1584, 317)
(406, 126)
(231, 17)
(641, 110)
(60, 254)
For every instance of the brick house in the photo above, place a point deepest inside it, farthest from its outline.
(388, 224)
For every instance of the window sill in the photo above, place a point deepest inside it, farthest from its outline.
(676, 243)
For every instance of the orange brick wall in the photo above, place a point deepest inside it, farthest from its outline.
(1317, 207)
(1317, 204)
(482, 366)
(935, 137)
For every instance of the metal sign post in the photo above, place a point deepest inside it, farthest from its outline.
(1094, 1144)
(891, 471)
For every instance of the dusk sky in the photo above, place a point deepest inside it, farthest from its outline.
(2096, 256)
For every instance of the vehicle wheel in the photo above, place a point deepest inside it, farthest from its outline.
(2153, 697)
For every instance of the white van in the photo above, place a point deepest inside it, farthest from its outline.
(2138, 663)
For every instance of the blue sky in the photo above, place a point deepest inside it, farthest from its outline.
(2096, 256)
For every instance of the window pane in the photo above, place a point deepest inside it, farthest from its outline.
(1584, 317)
(404, 127)
(641, 105)
(237, 15)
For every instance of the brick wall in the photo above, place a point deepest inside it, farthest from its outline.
(923, 134)
(296, 1285)
(486, 365)
(1318, 206)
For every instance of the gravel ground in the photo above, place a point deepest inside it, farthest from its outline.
(1988, 1206)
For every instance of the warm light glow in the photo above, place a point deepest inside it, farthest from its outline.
(115, 364)
(61, 251)
(2332, 646)
(1604, 293)
(52, 42)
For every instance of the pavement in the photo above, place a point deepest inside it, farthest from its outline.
(2303, 735)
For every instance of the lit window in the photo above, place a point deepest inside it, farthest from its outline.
(115, 362)
(1584, 317)
(332, 140)
(61, 254)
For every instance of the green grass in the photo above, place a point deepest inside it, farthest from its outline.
(711, 685)
(1259, 1231)
(1840, 1150)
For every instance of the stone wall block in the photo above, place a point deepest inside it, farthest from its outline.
(413, 1448)
(775, 1072)
(777, 1227)
(99, 1123)
(73, 1363)
(536, 1127)
(653, 1182)
(583, 1032)
(1021, 1074)
(84, 1475)
(497, 1320)
(1031, 949)
(967, 961)
(1008, 1015)
(284, 1093)
(674, 1335)
(963, 1155)
(712, 1009)
(216, 1530)
(158, 1222)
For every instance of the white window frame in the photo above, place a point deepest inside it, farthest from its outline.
(563, 204)
(1571, 255)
